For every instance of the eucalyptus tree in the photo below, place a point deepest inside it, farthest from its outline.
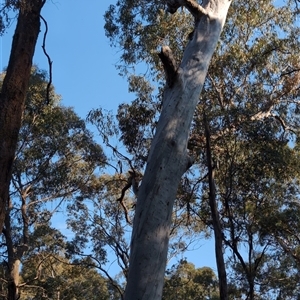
(15, 84)
(168, 157)
(186, 282)
(248, 112)
(48, 274)
(251, 104)
(56, 159)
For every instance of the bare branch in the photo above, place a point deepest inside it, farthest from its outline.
(49, 61)
(288, 249)
(289, 72)
(283, 124)
(267, 113)
(133, 182)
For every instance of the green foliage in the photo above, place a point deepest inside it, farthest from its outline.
(54, 145)
(251, 101)
(134, 120)
(56, 160)
(187, 283)
(51, 276)
(6, 14)
(101, 224)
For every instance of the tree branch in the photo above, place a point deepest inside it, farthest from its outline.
(191, 5)
(49, 61)
(132, 181)
(169, 64)
(289, 72)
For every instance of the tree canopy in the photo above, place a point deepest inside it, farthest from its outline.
(208, 148)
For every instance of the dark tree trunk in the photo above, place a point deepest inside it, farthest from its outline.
(14, 89)
(216, 219)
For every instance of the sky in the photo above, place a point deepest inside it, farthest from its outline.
(83, 61)
(83, 69)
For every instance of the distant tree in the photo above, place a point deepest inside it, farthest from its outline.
(253, 114)
(185, 282)
(56, 159)
(52, 276)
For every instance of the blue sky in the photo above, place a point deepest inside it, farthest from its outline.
(83, 61)
(83, 69)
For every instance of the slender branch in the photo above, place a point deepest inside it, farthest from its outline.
(133, 182)
(258, 260)
(122, 254)
(25, 284)
(288, 249)
(49, 61)
(25, 222)
(118, 154)
(289, 72)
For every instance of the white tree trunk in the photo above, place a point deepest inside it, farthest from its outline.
(168, 158)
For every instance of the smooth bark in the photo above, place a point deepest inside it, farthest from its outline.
(13, 92)
(168, 158)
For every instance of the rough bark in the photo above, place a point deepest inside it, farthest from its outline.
(168, 158)
(215, 218)
(14, 88)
